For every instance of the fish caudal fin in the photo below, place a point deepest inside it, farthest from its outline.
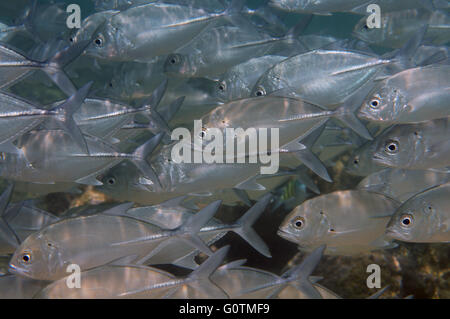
(346, 112)
(245, 223)
(139, 158)
(300, 274)
(199, 278)
(64, 115)
(54, 66)
(188, 231)
(6, 232)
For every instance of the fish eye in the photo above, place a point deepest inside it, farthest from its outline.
(391, 147)
(99, 41)
(298, 222)
(25, 258)
(222, 86)
(356, 160)
(111, 180)
(406, 220)
(260, 91)
(374, 103)
(203, 132)
(365, 27)
(174, 59)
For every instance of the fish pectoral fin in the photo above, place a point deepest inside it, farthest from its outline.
(250, 184)
(382, 242)
(89, 180)
(201, 194)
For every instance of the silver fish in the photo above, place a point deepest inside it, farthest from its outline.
(411, 96)
(414, 146)
(246, 282)
(322, 77)
(108, 282)
(167, 27)
(402, 184)
(199, 57)
(356, 223)
(51, 156)
(239, 80)
(326, 7)
(398, 26)
(424, 218)
(46, 254)
(15, 66)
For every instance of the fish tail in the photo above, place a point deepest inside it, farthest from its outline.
(406, 53)
(6, 232)
(245, 229)
(54, 66)
(302, 272)
(308, 158)
(193, 225)
(346, 112)
(139, 158)
(199, 278)
(66, 110)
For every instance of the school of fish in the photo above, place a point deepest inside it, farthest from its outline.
(92, 110)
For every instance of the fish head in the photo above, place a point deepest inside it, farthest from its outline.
(178, 64)
(267, 83)
(306, 224)
(384, 104)
(397, 147)
(37, 257)
(223, 90)
(363, 32)
(119, 180)
(104, 43)
(414, 221)
(360, 162)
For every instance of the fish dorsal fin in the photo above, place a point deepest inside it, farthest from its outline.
(245, 223)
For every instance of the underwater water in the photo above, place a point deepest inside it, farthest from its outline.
(111, 189)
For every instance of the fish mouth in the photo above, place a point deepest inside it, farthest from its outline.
(285, 235)
(394, 234)
(20, 271)
(378, 159)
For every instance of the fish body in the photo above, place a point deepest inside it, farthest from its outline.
(322, 77)
(355, 224)
(402, 184)
(217, 50)
(411, 96)
(143, 32)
